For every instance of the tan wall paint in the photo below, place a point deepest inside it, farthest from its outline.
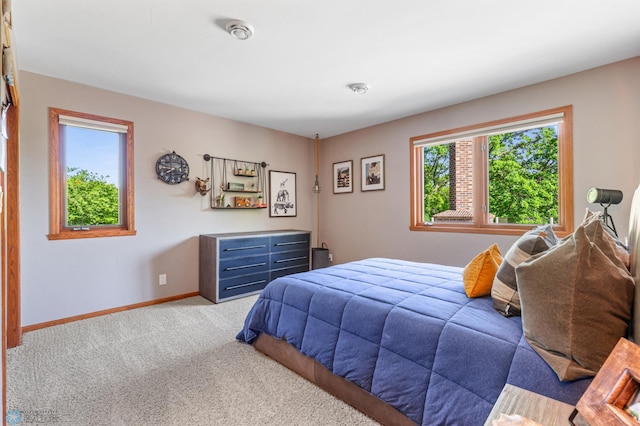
(606, 104)
(66, 278)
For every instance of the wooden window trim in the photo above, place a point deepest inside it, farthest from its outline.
(57, 228)
(565, 185)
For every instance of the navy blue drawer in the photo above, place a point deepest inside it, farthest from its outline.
(236, 266)
(242, 285)
(243, 247)
(288, 259)
(275, 273)
(287, 242)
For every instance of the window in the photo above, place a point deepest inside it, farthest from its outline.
(91, 176)
(500, 177)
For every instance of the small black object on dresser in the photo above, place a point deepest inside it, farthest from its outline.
(238, 264)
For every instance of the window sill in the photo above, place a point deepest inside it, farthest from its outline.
(103, 233)
(517, 230)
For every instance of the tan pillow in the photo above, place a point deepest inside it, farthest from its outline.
(621, 251)
(576, 302)
(504, 291)
(479, 273)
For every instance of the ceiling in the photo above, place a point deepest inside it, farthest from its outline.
(293, 74)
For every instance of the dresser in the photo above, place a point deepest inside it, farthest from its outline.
(238, 264)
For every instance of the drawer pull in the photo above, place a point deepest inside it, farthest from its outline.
(233, 287)
(290, 243)
(292, 259)
(244, 248)
(253, 265)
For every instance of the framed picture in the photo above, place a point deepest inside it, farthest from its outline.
(343, 177)
(282, 194)
(372, 169)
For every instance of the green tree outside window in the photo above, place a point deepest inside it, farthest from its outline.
(523, 176)
(91, 200)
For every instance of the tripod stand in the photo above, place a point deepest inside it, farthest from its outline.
(606, 219)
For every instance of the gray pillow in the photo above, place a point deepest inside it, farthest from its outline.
(576, 302)
(504, 291)
(621, 250)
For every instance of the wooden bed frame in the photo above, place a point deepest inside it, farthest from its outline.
(337, 386)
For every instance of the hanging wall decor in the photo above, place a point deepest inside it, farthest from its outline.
(282, 194)
(343, 177)
(372, 169)
(172, 168)
(201, 186)
(237, 184)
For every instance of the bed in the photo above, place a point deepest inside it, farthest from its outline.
(402, 341)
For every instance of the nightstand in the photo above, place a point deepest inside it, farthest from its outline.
(540, 409)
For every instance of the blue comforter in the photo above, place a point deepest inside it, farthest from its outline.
(407, 333)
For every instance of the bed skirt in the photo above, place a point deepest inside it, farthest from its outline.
(316, 373)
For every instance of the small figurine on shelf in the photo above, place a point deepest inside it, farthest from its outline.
(220, 197)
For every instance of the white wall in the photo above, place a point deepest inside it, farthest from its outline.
(606, 130)
(73, 277)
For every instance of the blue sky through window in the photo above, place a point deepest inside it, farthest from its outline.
(93, 150)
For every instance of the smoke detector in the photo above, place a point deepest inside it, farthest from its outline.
(359, 88)
(239, 29)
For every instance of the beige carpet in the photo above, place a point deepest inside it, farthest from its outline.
(172, 364)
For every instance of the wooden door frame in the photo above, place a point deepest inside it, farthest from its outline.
(3, 296)
(11, 272)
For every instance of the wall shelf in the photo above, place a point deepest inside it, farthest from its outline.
(239, 208)
(251, 176)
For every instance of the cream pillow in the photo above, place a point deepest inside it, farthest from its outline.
(478, 275)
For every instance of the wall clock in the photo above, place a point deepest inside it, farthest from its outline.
(172, 168)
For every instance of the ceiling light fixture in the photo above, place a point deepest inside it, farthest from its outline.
(359, 88)
(239, 29)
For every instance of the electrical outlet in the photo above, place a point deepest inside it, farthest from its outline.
(330, 257)
(162, 279)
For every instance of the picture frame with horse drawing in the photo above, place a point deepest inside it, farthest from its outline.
(282, 194)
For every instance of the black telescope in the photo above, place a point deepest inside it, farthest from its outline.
(605, 197)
